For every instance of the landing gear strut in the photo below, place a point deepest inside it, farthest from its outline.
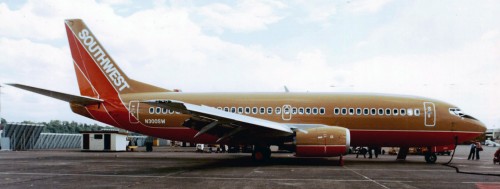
(261, 153)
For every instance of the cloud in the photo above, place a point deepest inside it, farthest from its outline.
(366, 6)
(245, 16)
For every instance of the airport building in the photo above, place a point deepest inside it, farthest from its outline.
(493, 134)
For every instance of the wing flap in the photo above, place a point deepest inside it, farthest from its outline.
(83, 100)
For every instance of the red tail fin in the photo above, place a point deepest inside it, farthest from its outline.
(97, 73)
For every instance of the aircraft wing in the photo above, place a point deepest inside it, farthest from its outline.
(225, 125)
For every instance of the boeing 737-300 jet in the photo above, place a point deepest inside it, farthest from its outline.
(309, 124)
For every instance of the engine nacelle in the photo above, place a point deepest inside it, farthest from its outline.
(322, 142)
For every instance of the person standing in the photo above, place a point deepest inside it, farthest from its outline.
(472, 151)
(478, 149)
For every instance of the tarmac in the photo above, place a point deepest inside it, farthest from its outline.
(178, 167)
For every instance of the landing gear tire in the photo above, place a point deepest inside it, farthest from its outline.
(430, 158)
(261, 154)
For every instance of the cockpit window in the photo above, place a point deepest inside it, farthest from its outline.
(458, 112)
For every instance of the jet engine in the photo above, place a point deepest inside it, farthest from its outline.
(325, 141)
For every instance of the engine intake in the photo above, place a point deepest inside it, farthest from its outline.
(325, 141)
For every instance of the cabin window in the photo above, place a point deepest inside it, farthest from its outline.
(269, 110)
(158, 110)
(286, 110)
(366, 111)
(308, 110)
(151, 110)
(171, 112)
(315, 111)
(254, 110)
(164, 111)
(301, 110)
(294, 110)
(240, 110)
(278, 110)
(262, 110)
(380, 111)
(336, 111)
(322, 111)
(395, 111)
(247, 110)
(409, 112)
(344, 111)
(388, 111)
(358, 111)
(374, 111)
(402, 111)
(226, 109)
(351, 111)
(417, 112)
(233, 109)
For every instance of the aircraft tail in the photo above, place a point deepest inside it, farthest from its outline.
(97, 73)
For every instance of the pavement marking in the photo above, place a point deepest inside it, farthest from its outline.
(369, 179)
(196, 177)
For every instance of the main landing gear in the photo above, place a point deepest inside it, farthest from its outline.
(261, 153)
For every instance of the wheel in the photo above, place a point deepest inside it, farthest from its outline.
(430, 157)
(261, 154)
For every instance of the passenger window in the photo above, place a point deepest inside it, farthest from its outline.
(322, 111)
(380, 111)
(409, 112)
(151, 110)
(315, 111)
(262, 110)
(286, 110)
(374, 111)
(240, 110)
(395, 111)
(171, 112)
(351, 111)
(254, 110)
(388, 111)
(269, 110)
(336, 111)
(247, 110)
(164, 111)
(158, 110)
(226, 109)
(402, 111)
(358, 111)
(308, 110)
(294, 110)
(301, 110)
(278, 110)
(344, 111)
(366, 111)
(417, 112)
(233, 109)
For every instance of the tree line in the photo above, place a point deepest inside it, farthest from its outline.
(58, 126)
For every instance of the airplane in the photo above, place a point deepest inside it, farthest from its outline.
(308, 124)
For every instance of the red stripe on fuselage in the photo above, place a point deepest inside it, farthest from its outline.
(408, 138)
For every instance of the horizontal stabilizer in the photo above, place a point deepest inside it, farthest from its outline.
(83, 100)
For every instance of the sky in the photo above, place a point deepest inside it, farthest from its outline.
(445, 50)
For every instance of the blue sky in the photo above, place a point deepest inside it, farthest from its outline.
(447, 50)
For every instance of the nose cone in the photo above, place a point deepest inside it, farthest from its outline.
(479, 126)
